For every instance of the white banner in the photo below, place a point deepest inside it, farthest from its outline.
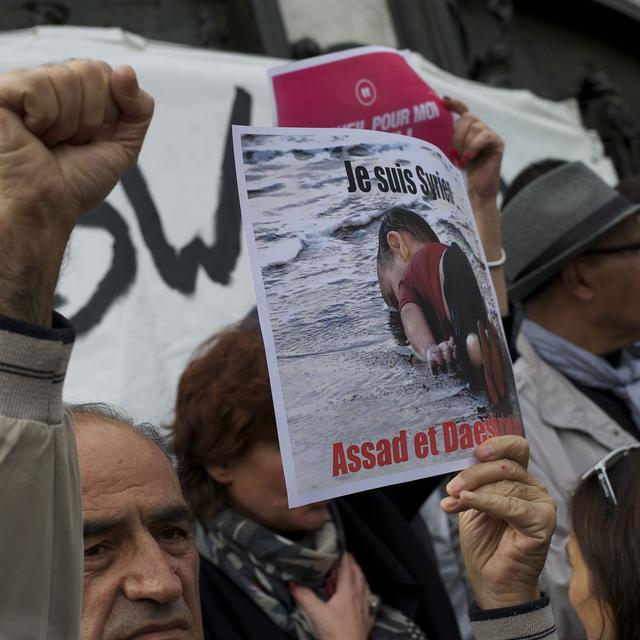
(162, 264)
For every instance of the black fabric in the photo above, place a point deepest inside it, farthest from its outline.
(477, 614)
(466, 306)
(511, 325)
(61, 329)
(616, 408)
(614, 358)
(228, 613)
(397, 564)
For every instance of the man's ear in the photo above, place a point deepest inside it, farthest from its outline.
(221, 473)
(577, 279)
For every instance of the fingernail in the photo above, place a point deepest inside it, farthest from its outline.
(449, 503)
(446, 97)
(454, 154)
(466, 157)
(455, 486)
(468, 495)
(292, 586)
(484, 452)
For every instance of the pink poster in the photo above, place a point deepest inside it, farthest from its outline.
(365, 88)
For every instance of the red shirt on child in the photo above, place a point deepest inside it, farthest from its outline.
(421, 283)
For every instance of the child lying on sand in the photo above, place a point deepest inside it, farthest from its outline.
(441, 308)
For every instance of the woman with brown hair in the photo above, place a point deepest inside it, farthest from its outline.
(604, 547)
(226, 438)
(268, 571)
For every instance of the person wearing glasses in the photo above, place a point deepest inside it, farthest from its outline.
(573, 271)
(604, 547)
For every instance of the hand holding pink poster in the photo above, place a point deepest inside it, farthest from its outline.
(365, 88)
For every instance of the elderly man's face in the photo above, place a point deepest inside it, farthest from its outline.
(140, 562)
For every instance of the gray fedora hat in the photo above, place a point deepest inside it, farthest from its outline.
(553, 219)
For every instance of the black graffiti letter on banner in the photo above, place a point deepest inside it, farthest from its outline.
(122, 271)
(180, 268)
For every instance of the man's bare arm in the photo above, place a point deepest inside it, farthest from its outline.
(67, 133)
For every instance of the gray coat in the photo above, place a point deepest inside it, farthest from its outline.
(41, 550)
(567, 434)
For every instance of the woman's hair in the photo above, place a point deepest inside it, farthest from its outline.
(609, 542)
(223, 408)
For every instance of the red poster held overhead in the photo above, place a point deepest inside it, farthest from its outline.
(365, 88)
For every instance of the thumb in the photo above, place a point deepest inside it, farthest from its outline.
(135, 104)
(136, 110)
(308, 600)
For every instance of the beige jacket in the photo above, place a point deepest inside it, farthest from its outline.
(567, 434)
(41, 551)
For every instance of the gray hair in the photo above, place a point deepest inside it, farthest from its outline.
(114, 414)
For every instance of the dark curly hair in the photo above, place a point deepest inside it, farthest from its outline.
(223, 408)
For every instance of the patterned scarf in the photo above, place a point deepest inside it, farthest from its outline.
(261, 563)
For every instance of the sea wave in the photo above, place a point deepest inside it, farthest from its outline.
(266, 190)
(280, 252)
(356, 221)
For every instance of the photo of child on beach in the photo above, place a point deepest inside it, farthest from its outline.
(383, 337)
(442, 311)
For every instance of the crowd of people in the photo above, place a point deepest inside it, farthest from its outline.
(109, 532)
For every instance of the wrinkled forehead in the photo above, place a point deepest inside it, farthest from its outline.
(122, 470)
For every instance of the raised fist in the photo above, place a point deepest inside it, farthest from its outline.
(67, 133)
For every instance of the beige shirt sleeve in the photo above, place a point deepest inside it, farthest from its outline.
(41, 550)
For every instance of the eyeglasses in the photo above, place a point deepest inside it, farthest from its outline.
(620, 248)
(600, 468)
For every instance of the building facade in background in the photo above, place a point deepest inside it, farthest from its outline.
(585, 49)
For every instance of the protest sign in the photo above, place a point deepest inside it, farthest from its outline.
(364, 88)
(360, 243)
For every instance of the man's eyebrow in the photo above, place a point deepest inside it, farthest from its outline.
(170, 513)
(101, 525)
